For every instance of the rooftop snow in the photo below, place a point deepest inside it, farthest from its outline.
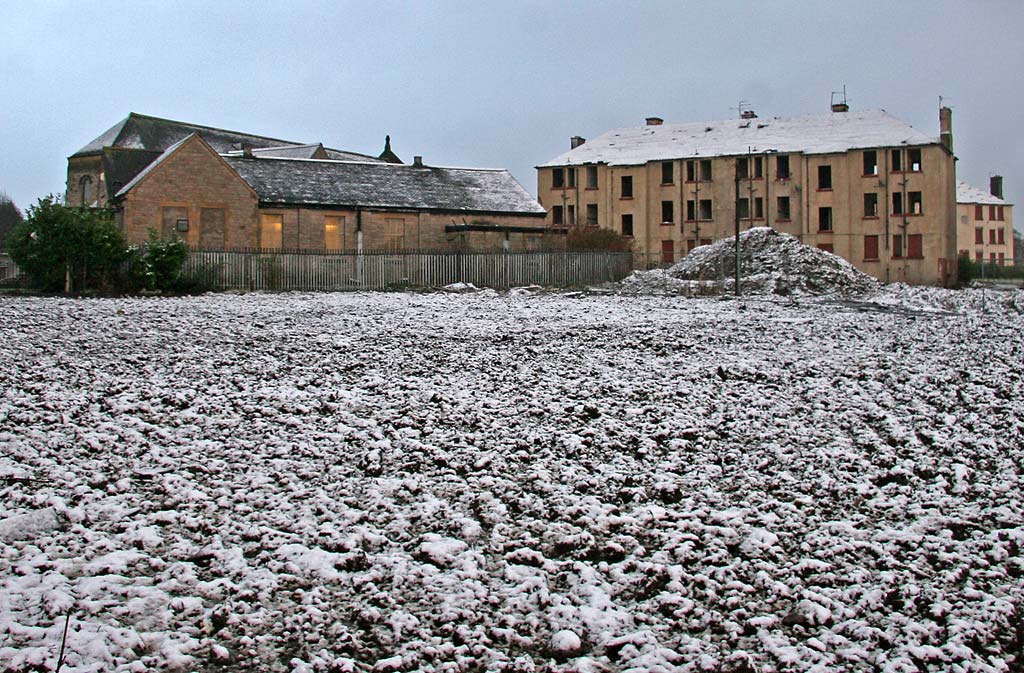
(966, 193)
(813, 134)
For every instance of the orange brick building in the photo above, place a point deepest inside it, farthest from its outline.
(985, 223)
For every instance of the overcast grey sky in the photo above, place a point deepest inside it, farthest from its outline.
(497, 84)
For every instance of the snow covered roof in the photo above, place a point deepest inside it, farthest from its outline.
(376, 184)
(827, 133)
(966, 193)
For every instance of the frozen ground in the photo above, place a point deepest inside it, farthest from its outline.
(385, 482)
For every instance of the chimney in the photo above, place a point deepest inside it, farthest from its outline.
(748, 114)
(654, 121)
(995, 185)
(417, 161)
(840, 107)
(576, 141)
(247, 150)
(946, 127)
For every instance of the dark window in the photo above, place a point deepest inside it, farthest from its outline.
(743, 168)
(705, 209)
(572, 215)
(591, 213)
(782, 204)
(979, 212)
(914, 159)
(758, 207)
(992, 236)
(591, 177)
(915, 246)
(871, 205)
(782, 168)
(824, 219)
(558, 178)
(897, 246)
(870, 162)
(743, 208)
(979, 235)
(667, 212)
(914, 202)
(871, 247)
(896, 160)
(666, 173)
(824, 177)
(897, 203)
(627, 186)
(758, 167)
(991, 212)
(690, 244)
(827, 247)
(556, 215)
(571, 174)
(627, 225)
(691, 210)
(999, 211)
(705, 170)
(86, 184)
(691, 171)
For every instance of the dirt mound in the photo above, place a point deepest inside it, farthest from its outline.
(771, 262)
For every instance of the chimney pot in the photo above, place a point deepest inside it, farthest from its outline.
(576, 141)
(995, 184)
(417, 161)
(748, 114)
(654, 121)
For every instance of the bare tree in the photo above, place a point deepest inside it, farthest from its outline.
(10, 217)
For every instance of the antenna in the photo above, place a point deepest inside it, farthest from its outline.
(835, 93)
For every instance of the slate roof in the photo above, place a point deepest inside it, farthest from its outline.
(156, 162)
(828, 133)
(373, 184)
(966, 193)
(120, 166)
(155, 134)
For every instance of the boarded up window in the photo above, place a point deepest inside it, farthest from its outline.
(394, 233)
(915, 246)
(211, 228)
(170, 216)
(871, 247)
(667, 252)
(827, 247)
(271, 227)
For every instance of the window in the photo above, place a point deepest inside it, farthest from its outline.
(743, 170)
(897, 203)
(211, 228)
(270, 231)
(591, 177)
(698, 170)
(914, 201)
(979, 235)
(1000, 213)
(759, 207)
(394, 233)
(571, 174)
(743, 208)
(992, 257)
(978, 255)
(691, 171)
(86, 185)
(591, 213)
(667, 212)
(915, 246)
(782, 168)
(758, 167)
(170, 216)
(705, 209)
(782, 204)
(897, 246)
(991, 212)
(690, 244)
(871, 204)
(964, 254)
(557, 216)
(334, 229)
(914, 159)
(627, 187)
(979, 212)
(627, 225)
(871, 247)
(827, 247)
(824, 177)
(1002, 258)
(557, 178)
(896, 159)
(870, 162)
(666, 173)
(992, 236)
(705, 170)
(1002, 236)
(667, 252)
(824, 219)
(691, 210)
(571, 215)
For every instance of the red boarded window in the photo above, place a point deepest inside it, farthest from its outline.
(979, 235)
(897, 246)
(1000, 213)
(991, 235)
(1002, 236)
(827, 247)
(667, 252)
(915, 246)
(991, 212)
(979, 212)
(871, 247)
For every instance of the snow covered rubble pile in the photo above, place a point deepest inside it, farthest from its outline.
(771, 262)
(511, 483)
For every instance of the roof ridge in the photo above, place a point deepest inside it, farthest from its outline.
(138, 115)
(364, 163)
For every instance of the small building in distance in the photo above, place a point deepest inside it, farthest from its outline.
(863, 185)
(219, 189)
(984, 223)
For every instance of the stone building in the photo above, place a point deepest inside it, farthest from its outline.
(220, 189)
(863, 185)
(984, 223)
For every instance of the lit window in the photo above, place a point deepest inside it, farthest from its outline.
(334, 230)
(271, 231)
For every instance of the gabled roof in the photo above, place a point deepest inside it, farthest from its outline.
(155, 134)
(321, 183)
(966, 193)
(828, 133)
(154, 164)
(120, 166)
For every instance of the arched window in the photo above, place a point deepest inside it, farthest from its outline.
(86, 184)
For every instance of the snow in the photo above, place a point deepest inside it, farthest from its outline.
(828, 133)
(441, 482)
(966, 193)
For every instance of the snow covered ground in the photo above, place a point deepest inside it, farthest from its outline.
(518, 482)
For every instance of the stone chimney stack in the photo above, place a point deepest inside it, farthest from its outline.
(748, 114)
(247, 150)
(946, 127)
(576, 141)
(417, 161)
(995, 185)
(654, 121)
(840, 107)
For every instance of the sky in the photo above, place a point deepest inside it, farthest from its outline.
(497, 84)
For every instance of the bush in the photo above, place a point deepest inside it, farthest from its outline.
(594, 238)
(969, 270)
(70, 249)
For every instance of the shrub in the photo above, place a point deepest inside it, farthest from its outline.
(594, 238)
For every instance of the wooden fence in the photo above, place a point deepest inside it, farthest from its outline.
(298, 270)
(8, 269)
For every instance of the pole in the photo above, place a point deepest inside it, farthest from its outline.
(737, 210)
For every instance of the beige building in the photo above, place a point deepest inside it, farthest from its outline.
(984, 223)
(863, 185)
(218, 189)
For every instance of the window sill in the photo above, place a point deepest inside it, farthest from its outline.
(695, 182)
(824, 231)
(667, 224)
(870, 259)
(869, 175)
(907, 215)
(824, 189)
(783, 219)
(785, 179)
(710, 219)
(668, 184)
(870, 217)
(625, 198)
(590, 189)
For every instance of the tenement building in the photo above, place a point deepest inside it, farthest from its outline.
(985, 223)
(218, 189)
(863, 185)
